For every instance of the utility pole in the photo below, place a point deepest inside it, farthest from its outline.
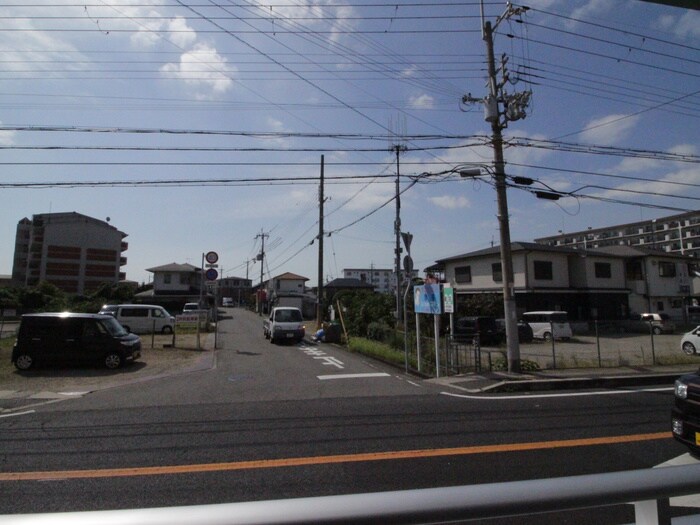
(261, 258)
(319, 301)
(397, 232)
(513, 109)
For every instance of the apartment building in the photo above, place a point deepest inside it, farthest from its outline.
(675, 234)
(383, 280)
(75, 252)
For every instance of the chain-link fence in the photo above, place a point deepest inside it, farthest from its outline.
(595, 344)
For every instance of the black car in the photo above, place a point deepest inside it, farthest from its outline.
(524, 330)
(467, 328)
(685, 418)
(71, 337)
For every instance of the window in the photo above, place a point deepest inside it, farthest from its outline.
(134, 312)
(634, 271)
(667, 269)
(167, 278)
(463, 274)
(496, 272)
(543, 270)
(603, 270)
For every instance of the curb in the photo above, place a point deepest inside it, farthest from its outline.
(577, 383)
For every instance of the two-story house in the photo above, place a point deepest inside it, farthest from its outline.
(587, 285)
(287, 289)
(606, 283)
(174, 285)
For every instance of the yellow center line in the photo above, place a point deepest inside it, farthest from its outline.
(326, 460)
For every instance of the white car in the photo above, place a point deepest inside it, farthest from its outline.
(690, 344)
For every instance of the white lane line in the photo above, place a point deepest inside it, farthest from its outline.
(18, 413)
(352, 376)
(494, 397)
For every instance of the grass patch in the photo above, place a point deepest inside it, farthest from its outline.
(378, 350)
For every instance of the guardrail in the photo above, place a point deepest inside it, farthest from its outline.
(644, 488)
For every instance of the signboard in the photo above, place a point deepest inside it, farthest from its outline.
(427, 299)
(211, 274)
(448, 299)
(211, 257)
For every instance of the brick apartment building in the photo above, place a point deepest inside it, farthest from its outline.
(75, 252)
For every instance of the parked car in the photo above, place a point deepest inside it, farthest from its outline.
(227, 302)
(524, 331)
(285, 323)
(659, 323)
(73, 337)
(548, 324)
(690, 344)
(141, 318)
(467, 328)
(685, 415)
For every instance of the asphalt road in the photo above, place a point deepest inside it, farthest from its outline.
(274, 422)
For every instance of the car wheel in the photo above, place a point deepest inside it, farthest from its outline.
(656, 330)
(547, 336)
(24, 362)
(688, 348)
(167, 330)
(113, 361)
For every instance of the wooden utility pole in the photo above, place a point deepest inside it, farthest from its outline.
(319, 300)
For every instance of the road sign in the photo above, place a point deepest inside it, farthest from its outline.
(212, 257)
(211, 274)
(408, 264)
(448, 299)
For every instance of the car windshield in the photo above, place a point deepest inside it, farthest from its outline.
(288, 316)
(112, 326)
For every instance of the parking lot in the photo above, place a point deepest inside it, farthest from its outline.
(587, 351)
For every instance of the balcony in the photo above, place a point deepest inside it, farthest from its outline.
(122, 261)
(124, 246)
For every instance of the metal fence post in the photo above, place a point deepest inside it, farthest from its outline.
(597, 341)
(554, 353)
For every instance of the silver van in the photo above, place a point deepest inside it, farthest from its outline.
(141, 318)
(547, 325)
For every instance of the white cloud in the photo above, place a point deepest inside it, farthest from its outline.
(450, 202)
(422, 102)
(180, 33)
(593, 8)
(610, 129)
(686, 26)
(203, 69)
(7, 138)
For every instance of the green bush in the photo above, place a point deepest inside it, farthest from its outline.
(501, 363)
(377, 350)
(379, 332)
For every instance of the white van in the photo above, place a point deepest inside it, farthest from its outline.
(544, 324)
(141, 318)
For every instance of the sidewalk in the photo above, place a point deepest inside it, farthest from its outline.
(567, 379)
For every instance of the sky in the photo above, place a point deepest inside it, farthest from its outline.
(201, 126)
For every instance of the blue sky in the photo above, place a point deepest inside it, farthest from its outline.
(229, 106)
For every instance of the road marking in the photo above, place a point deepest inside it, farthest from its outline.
(494, 397)
(682, 501)
(326, 460)
(18, 413)
(352, 376)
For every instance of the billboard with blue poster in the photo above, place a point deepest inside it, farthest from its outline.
(427, 299)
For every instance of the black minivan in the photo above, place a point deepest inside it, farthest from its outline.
(72, 337)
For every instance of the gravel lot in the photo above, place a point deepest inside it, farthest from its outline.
(156, 360)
